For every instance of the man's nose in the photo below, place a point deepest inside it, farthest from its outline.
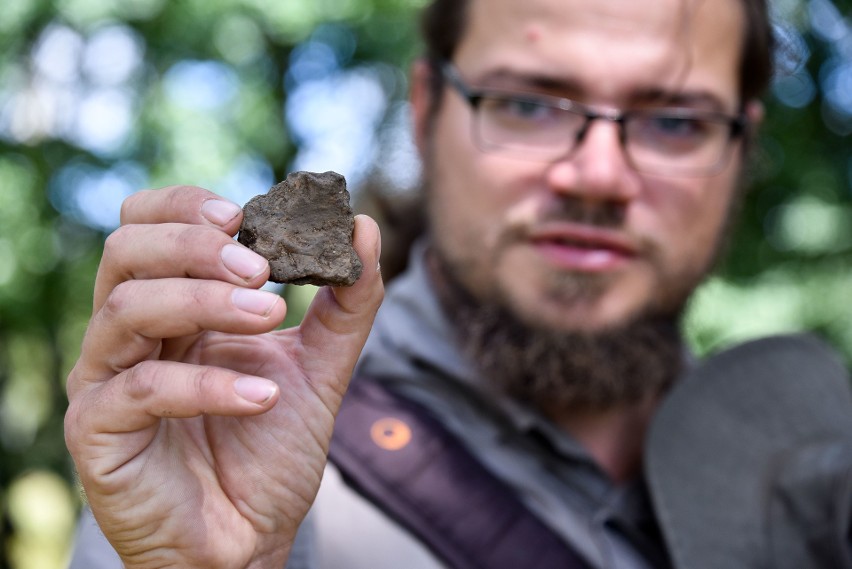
(598, 167)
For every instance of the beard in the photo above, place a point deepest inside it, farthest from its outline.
(560, 371)
(555, 370)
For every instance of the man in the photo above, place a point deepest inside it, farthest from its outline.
(582, 160)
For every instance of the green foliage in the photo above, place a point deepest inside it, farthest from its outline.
(788, 267)
(99, 98)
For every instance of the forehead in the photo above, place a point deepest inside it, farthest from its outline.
(609, 46)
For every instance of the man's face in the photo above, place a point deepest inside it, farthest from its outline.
(582, 243)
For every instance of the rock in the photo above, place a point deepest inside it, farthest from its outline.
(303, 226)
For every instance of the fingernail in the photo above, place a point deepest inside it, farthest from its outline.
(258, 302)
(255, 389)
(242, 262)
(219, 212)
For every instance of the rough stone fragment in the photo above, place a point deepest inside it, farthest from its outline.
(303, 226)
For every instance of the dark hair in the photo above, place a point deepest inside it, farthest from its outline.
(757, 60)
(443, 25)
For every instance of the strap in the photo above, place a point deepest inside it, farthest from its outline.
(394, 453)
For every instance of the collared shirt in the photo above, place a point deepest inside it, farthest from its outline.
(413, 349)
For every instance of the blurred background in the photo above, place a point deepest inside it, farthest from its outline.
(100, 98)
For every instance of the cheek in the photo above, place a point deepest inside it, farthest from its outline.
(689, 220)
(471, 207)
(461, 214)
(463, 195)
(457, 222)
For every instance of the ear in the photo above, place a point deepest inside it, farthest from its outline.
(420, 98)
(754, 112)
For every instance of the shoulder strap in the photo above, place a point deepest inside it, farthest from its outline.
(394, 453)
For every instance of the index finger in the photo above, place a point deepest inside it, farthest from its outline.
(182, 204)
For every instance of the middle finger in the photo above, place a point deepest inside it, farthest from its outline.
(175, 250)
(138, 314)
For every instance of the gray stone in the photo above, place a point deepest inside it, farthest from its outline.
(303, 226)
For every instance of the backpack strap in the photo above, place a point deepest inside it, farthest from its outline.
(394, 453)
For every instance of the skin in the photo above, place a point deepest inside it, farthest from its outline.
(489, 211)
(185, 464)
(494, 217)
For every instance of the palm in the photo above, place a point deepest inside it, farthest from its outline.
(214, 467)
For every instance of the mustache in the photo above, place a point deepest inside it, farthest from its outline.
(599, 213)
(570, 209)
(607, 215)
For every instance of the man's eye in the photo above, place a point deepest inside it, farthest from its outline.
(520, 109)
(527, 108)
(676, 126)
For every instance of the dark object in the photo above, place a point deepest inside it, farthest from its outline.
(749, 461)
(303, 226)
(394, 453)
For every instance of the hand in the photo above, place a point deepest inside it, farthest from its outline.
(199, 432)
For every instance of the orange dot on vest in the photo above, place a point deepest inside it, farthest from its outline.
(390, 433)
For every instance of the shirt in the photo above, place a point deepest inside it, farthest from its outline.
(413, 348)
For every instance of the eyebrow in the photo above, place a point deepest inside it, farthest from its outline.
(511, 80)
(503, 78)
(699, 98)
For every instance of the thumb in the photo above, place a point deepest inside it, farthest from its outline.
(339, 320)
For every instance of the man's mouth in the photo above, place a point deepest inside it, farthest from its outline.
(577, 247)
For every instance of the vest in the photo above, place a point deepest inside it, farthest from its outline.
(398, 456)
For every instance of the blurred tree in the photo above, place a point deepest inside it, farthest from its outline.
(788, 267)
(99, 98)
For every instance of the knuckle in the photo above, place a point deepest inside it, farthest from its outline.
(179, 198)
(203, 383)
(115, 242)
(198, 298)
(184, 239)
(129, 205)
(71, 424)
(118, 300)
(192, 238)
(79, 423)
(72, 380)
(175, 196)
(180, 190)
(140, 383)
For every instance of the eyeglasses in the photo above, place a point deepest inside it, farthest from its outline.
(664, 141)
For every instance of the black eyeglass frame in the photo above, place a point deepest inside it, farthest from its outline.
(737, 125)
